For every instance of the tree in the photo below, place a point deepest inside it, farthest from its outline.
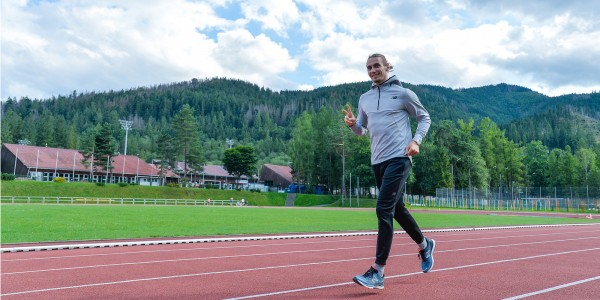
(98, 151)
(240, 160)
(301, 148)
(187, 139)
(586, 163)
(166, 152)
(562, 167)
(535, 161)
(105, 147)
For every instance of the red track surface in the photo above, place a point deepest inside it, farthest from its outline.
(548, 262)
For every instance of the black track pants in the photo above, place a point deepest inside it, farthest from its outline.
(391, 176)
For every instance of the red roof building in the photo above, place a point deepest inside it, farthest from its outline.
(276, 176)
(44, 164)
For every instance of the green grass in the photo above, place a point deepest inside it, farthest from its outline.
(85, 189)
(37, 223)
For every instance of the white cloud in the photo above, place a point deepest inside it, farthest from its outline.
(51, 48)
(257, 59)
(276, 15)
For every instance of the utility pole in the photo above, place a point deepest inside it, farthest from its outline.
(229, 142)
(127, 126)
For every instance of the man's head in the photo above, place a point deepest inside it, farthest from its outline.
(378, 68)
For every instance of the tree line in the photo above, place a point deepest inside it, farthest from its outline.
(303, 128)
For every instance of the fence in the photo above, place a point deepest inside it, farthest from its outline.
(116, 201)
(570, 199)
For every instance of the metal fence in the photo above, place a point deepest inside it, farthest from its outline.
(569, 199)
(114, 201)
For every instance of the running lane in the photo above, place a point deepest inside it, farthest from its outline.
(538, 262)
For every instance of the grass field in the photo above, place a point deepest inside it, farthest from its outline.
(85, 189)
(36, 223)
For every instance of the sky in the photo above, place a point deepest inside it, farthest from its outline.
(51, 48)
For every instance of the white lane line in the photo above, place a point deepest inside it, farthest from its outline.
(554, 288)
(293, 243)
(255, 238)
(289, 266)
(282, 253)
(413, 274)
(185, 259)
(193, 249)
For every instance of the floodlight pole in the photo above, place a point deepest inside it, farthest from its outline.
(127, 126)
(229, 142)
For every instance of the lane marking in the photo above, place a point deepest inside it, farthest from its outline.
(562, 286)
(281, 253)
(287, 244)
(257, 238)
(414, 273)
(289, 266)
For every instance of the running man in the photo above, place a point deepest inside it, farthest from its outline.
(384, 112)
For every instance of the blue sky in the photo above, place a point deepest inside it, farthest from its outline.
(52, 48)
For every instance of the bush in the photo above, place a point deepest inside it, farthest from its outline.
(59, 179)
(100, 183)
(7, 176)
(171, 184)
(123, 184)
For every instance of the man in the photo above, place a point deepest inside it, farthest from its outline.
(384, 112)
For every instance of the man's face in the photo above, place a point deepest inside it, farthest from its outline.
(377, 70)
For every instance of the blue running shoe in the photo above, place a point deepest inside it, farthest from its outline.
(371, 279)
(426, 255)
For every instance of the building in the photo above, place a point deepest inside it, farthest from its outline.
(217, 176)
(45, 164)
(275, 176)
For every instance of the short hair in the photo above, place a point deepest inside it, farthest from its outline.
(385, 61)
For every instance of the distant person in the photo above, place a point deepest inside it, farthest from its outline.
(208, 201)
(231, 201)
(384, 112)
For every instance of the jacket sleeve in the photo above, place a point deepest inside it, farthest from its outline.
(360, 126)
(417, 110)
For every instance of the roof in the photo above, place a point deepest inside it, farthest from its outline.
(280, 175)
(215, 170)
(37, 157)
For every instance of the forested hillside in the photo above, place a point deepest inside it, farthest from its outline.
(226, 109)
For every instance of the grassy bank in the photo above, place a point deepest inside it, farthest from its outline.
(84, 189)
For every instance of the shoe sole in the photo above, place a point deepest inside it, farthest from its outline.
(369, 287)
(432, 260)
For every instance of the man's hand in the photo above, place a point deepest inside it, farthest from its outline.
(350, 119)
(412, 149)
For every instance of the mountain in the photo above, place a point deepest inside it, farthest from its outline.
(247, 113)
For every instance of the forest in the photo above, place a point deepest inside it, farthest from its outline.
(484, 137)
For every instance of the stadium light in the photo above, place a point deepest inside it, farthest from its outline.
(127, 126)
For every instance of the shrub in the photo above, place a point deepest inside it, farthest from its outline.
(8, 176)
(123, 184)
(59, 179)
(171, 184)
(100, 183)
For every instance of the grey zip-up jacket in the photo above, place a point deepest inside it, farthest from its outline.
(384, 112)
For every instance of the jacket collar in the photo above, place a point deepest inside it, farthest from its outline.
(389, 81)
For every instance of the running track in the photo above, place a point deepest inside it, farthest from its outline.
(533, 262)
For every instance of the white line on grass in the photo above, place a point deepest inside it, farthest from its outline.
(254, 238)
(283, 244)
